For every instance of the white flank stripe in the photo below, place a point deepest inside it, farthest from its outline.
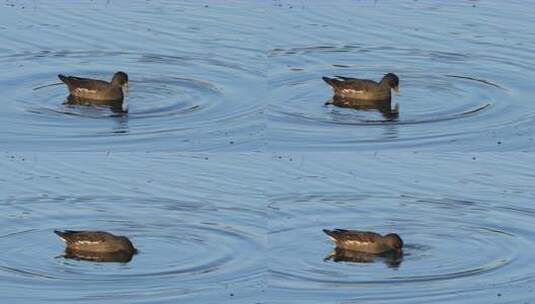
(83, 90)
(87, 243)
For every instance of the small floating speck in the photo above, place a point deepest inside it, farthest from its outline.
(341, 66)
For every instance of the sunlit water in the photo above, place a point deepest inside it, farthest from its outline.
(246, 76)
(194, 72)
(248, 227)
(200, 237)
(464, 70)
(467, 231)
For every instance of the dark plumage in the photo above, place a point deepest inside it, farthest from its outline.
(95, 242)
(391, 258)
(365, 241)
(116, 106)
(382, 106)
(364, 89)
(94, 89)
(116, 257)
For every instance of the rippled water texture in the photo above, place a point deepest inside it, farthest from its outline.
(464, 69)
(468, 231)
(246, 75)
(200, 237)
(195, 74)
(211, 229)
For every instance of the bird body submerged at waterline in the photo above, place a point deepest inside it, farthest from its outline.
(382, 106)
(94, 89)
(365, 241)
(95, 242)
(391, 258)
(364, 89)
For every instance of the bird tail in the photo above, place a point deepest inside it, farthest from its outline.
(331, 234)
(65, 79)
(61, 234)
(331, 81)
(65, 234)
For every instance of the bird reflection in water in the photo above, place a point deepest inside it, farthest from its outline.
(392, 259)
(383, 106)
(116, 106)
(113, 257)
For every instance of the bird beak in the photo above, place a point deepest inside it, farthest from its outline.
(396, 88)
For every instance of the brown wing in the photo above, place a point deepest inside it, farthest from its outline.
(352, 235)
(351, 83)
(85, 83)
(82, 236)
(357, 84)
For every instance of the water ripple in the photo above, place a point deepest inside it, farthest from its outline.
(187, 245)
(461, 253)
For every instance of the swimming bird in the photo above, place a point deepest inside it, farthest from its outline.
(364, 89)
(98, 90)
(95, 242)
(365, 241)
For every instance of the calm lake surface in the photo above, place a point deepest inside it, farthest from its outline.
(228, 164)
